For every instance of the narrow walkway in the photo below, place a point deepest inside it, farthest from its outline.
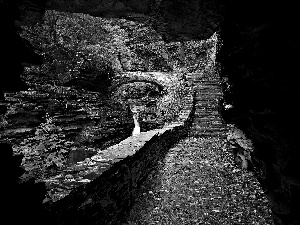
(197, 182)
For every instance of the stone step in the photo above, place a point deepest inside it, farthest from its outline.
(211, 88)
(207, 94)
(197, 134)
(211, 103)
(206, 116)
(208, 120)
(205, 111)
(208, 91)
(209, 127)
(204, 82)
(206, 108)
(214, 119)
(203, 86)
(201, 127)
(213, 82)
(200, 96)
(203, 106)
(217, 122)
(203, 91)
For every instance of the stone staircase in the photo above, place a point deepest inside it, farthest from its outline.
(197, 182)
(207, 120)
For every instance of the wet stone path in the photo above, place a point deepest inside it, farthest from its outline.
(198, 182)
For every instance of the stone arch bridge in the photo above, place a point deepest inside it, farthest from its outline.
(159, 80)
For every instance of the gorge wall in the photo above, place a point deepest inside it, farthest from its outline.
(258, 62)
(259, 67)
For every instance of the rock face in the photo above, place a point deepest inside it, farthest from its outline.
(259, 66)
(174, 20)
(24, 199)
(258, 60)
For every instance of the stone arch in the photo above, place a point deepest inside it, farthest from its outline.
(128, 80)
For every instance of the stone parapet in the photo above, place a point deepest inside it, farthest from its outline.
(101, 189)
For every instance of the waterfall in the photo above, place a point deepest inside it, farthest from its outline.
(136, 109)
(137, 128)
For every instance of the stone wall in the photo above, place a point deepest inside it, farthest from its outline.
(114, 176)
